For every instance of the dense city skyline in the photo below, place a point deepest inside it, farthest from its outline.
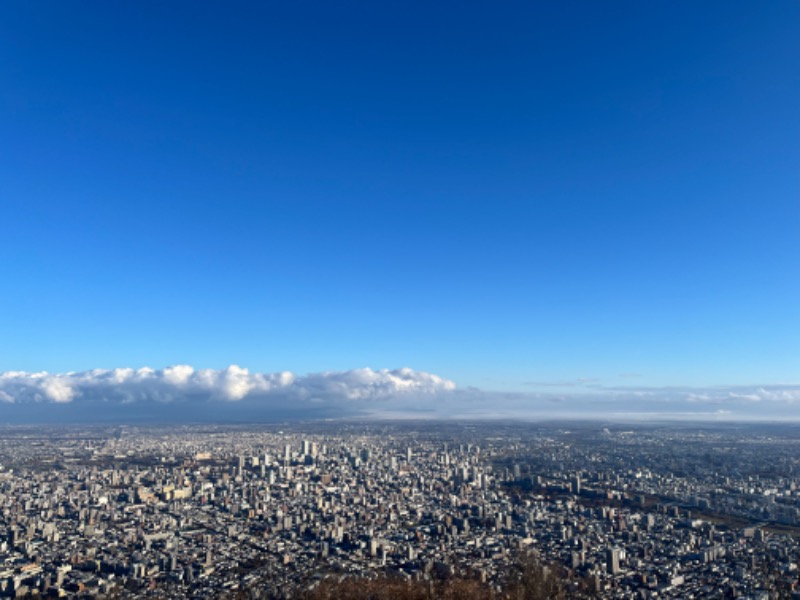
(572, 209)
(269, 512)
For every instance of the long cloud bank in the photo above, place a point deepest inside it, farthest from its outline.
(233, 384)
(184, 393)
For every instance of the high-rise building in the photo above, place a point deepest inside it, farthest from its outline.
(612, 561)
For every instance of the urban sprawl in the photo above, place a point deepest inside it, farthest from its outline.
(660, 511)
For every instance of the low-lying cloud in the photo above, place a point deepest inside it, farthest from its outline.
(182, 392)
(182, 383)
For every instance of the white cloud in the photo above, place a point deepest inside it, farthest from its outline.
(177, 375)
(370, 392)
(58, 389)
(234, 383)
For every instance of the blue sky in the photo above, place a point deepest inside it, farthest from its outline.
(509, 196)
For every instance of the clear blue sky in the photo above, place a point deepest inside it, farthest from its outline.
(499, 193)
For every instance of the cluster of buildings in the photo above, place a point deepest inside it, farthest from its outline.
(210, 511)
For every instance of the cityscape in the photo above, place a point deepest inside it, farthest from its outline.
(400, 300)
(271, 511)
